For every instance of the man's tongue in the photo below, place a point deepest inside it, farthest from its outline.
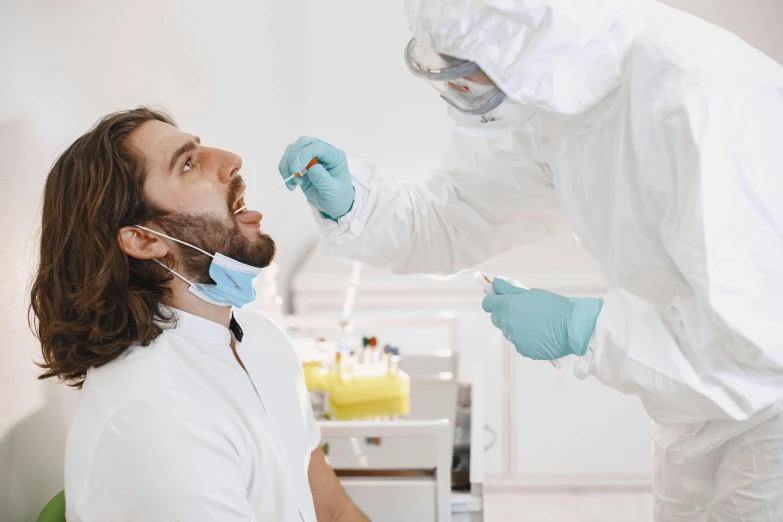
(250, 217)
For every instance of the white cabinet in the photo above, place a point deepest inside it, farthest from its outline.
(422, 492)
(552, 429)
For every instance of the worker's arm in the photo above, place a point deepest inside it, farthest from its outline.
(713, 352)
(488, 198)
(332, 503)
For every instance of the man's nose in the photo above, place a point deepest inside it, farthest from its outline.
(230, 165)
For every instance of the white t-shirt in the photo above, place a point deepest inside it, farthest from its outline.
(177, 431)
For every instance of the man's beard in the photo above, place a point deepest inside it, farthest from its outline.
(214, 234)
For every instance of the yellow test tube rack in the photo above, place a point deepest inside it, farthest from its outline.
(356, 394)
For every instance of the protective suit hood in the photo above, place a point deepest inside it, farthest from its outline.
(560, 56)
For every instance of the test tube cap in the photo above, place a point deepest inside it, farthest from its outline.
(485, 282)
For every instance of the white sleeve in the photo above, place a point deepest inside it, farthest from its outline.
(715, 351)
(489, 198)
(313, 429)
(152, 465)
(314, 433)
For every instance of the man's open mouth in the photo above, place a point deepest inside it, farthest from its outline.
(242, 214)
(240, 206)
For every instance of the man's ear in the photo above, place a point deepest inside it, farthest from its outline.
(141, 244)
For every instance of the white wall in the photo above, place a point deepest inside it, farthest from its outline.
(245, 75)
(360, 95)
(758, 22)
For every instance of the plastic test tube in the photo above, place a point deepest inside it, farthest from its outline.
(394, 359)
(486, 284)
(302, 173)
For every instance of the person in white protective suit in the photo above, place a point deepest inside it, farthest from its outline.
(660, 138)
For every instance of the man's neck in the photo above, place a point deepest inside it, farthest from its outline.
(183, 300)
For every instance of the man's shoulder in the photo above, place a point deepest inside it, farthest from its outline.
(147, 425)
(258, 323)
(266, 345)
(145, 397)
(263, 333)
(140, 372)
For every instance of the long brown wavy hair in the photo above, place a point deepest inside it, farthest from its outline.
(91, 301)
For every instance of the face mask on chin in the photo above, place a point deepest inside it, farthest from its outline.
(506, 116)
(227, 276)
(233, 285)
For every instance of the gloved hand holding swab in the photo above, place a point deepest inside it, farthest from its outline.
(289, 178)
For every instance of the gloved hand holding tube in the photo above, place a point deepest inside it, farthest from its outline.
(542, 325)
(327, 185)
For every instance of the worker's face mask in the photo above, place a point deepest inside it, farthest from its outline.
(460, 82)
(234, 281)
(508, 116)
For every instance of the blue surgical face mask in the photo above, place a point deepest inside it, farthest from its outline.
(234, 285)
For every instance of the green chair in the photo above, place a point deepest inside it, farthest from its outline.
(54, 511)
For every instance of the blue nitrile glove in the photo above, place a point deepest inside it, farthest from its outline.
(327, 186)
(540, 324)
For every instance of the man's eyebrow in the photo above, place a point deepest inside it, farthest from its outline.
(187, 147)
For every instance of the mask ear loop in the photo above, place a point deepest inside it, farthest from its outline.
(174, 272)
(175, 239)
(178, 241)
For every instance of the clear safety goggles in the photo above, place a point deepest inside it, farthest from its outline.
(460, 82)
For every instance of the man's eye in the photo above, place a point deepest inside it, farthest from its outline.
(187, 166)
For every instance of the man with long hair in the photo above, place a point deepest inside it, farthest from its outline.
(146, 247)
